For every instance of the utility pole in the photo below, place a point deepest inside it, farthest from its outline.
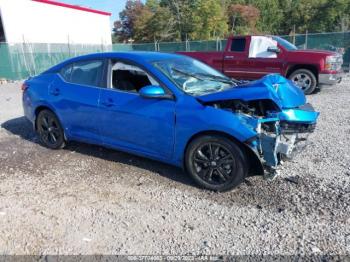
(294, 34)
(306, 34)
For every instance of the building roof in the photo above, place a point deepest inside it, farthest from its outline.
(76, 7)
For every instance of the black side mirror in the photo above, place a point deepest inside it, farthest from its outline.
(274, 49)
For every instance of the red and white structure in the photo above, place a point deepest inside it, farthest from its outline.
(48, 21)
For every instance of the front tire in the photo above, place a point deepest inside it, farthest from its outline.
(215, 163)
(304, 79)
(50, 130)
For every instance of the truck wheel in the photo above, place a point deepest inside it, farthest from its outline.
(305, 79)
(215, 163)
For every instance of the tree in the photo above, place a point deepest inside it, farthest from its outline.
(153, 5)
(182, 12)
(155, 23)
(124, 28)
(142, 32)
(298, 13)
(243, 18)
(209, 20)
(335, 14)
(174, 20)
(271, 15)
(163, 25)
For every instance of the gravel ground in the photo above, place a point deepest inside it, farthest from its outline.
(86, 199)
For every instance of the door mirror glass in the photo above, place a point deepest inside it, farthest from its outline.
(152, 91)
(273, 49)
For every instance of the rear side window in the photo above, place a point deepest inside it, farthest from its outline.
(84, 73)
(238, 45)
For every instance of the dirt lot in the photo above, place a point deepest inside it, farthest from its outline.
(86, 199)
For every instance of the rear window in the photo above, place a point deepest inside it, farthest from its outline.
(238, 45)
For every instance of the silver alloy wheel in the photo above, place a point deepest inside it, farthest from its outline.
(302, 80)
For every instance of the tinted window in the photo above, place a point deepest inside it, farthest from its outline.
(238, 45)
(84, 73)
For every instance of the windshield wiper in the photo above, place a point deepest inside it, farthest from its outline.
(219, 78)
(186, 73)
(208, 76)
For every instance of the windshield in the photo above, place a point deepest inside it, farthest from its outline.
(194, 77)
(287, 45)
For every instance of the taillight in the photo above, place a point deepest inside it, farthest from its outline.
(24, 86)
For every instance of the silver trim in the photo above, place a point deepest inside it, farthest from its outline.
(329, 79)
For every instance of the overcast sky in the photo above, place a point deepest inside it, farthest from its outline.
(111, 6)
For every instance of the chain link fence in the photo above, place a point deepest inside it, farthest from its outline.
(19, 61)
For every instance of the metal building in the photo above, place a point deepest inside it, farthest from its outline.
(47, 21)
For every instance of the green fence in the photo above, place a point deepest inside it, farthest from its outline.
(18, 61)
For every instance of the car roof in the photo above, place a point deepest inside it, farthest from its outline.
(141, 56)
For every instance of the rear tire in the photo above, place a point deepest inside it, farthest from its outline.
(304, 79)
(215, 163)
(50, 130)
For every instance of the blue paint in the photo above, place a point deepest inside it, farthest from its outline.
(152, 91)
(275, 87)
(158, 122)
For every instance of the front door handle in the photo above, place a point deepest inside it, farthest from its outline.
(55, 91)
(229, 57)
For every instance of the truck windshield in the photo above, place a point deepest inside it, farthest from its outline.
(194, 77)
(287, 45)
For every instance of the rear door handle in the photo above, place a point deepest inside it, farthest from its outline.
(55, 91)
(229, 57)
(108, 103)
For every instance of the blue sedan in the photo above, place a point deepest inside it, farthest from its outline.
(173, 109)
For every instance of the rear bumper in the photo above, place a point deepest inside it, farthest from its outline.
(329, 79)
(28, 108)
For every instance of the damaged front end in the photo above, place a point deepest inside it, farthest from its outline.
(281, 127)
(282, 135)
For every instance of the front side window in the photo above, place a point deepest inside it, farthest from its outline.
(130, 78)
(193, 77)
(66, 72)
(84, 73)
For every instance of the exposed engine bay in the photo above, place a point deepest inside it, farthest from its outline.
(257, 108)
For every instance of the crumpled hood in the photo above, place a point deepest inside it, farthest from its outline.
(275, 87)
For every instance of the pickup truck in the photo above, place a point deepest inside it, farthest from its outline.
(251, 57)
